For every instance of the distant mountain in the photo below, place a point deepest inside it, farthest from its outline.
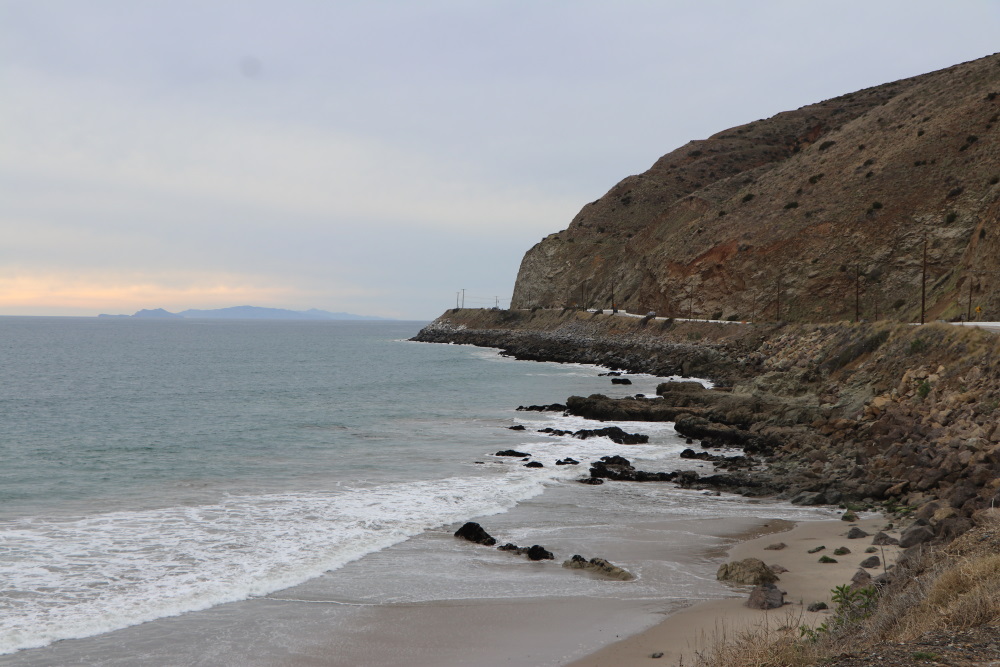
(248, 313)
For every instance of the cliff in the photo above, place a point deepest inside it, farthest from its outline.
(816, 214)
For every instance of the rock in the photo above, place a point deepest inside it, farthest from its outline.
(871, 561)
(861, 579)
(775, 547)
(883, 539)
(598, 566)
(613, 433)
(827, 560)
(841, 551)
(567, 462)
(537, 552)
(620, 381)
(766, 596)
(856, 533)
(658, 654)
(534, 464)
(817, 606)
(809, 498)
(816, 550)
(751, 571)
(513, 548)
(778, 569)
(512, 452)
(516, 427)
(554, 407)
(593, 481)
(849, 516)
(473, 532)
(914, 535)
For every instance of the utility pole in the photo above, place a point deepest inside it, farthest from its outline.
(923, 283)
(456, 299)
(463, 298)
(968, 317)
(497, 304)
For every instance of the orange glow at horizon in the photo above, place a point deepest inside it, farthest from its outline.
(61, 293)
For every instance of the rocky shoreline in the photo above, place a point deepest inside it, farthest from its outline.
(869, 416)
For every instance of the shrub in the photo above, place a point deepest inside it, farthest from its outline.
(869, 162)
(994, 180)
(923, 389)
(814, 179)
(898, 303)
(721, 213)
(747, 197)
(954, 192)
(695, 153)
(717, 315)
(792, 204)
(917, 345)
(826, 144)
(951, 217)
(920, 133)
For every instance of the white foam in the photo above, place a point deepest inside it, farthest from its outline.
(75, 578)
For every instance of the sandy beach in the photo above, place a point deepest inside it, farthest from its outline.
(807, 580)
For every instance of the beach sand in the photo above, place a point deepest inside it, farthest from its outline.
(692, 629)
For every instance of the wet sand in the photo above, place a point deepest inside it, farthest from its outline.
(692, 629)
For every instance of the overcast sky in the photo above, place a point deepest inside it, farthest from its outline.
(376, 157)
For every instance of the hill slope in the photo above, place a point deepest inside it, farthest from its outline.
(807, 215)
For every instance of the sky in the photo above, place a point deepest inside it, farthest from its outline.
(378, 157)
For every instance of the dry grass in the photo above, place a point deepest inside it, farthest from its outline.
(770, 644)
(963, 595)
(951, 590)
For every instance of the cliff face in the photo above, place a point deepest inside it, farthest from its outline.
(805, 216)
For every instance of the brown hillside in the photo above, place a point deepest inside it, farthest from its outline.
(807, 211)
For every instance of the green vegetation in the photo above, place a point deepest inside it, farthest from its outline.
(923, 389)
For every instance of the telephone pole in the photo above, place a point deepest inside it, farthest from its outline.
(463, 298)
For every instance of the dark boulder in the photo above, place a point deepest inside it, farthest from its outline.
(856, 533)
(914, 535)
(871, 561)
(538, 552)
(534, 464)
(567, 462)
(512, 452)
(516, 427)
(620, 381)
(473, 532)
(882, 539)
(766, 596)
(553, 407)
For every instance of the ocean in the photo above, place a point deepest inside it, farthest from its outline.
(252, 492)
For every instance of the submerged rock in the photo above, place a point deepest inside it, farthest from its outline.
(473, 532)
(598, 566)
(538, 552)
(512, 452)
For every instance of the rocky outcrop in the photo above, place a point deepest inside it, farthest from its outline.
(766, 596)
(751, 571)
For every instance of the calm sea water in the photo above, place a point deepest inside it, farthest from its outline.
(150, 469)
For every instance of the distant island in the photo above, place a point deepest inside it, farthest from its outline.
(245, 313)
